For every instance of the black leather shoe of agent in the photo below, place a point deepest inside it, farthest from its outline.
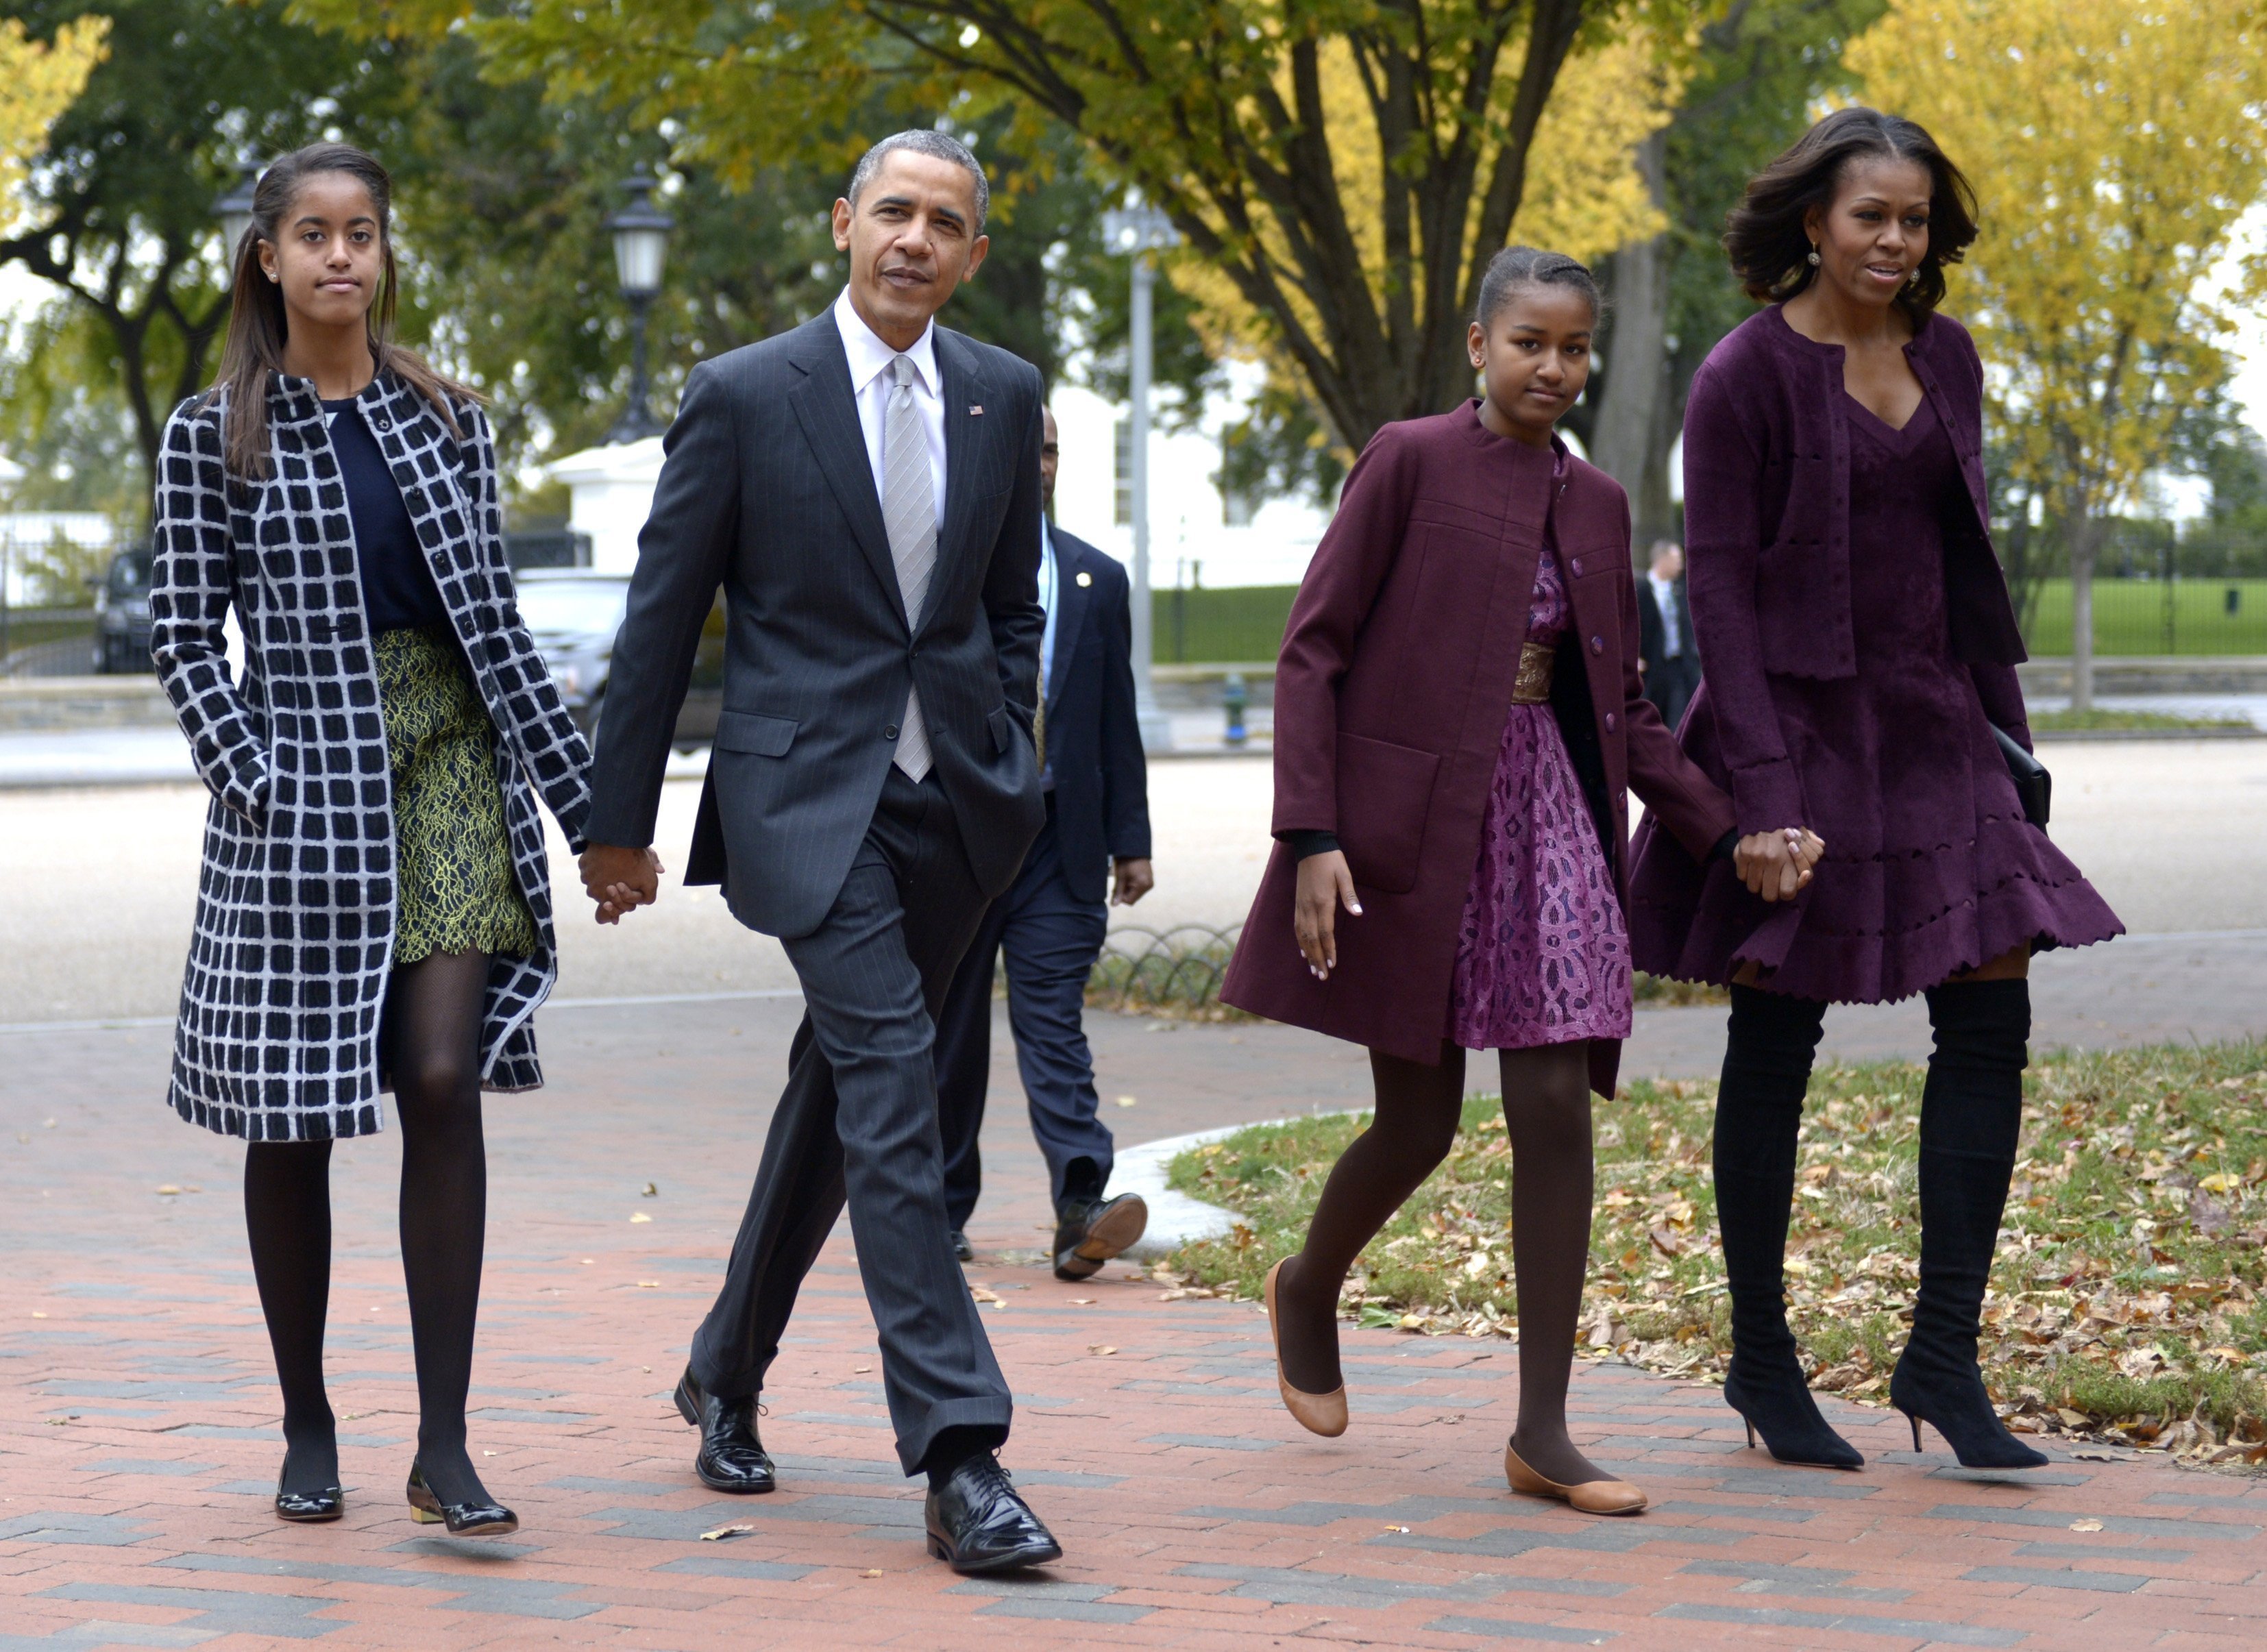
(978, 1522)
(961, 1248)
(1089, 1234)
(732, 1457)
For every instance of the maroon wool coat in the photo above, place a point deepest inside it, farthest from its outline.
(1390, 697)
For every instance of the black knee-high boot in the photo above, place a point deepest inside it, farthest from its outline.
(1767, 1055)
(1971, 1114)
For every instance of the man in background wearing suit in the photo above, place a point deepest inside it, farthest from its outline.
(1670, 662)
(866, 489)
(1051, 923)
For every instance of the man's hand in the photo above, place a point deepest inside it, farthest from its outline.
(620, 879)
(1777, 865)
(1326, 883)
(1135, 880)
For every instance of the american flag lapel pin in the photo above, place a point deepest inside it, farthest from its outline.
(975, 409)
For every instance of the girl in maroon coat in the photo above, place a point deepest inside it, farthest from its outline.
(1858, 647)
(1457, 714)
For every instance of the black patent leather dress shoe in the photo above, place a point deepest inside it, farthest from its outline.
(732, 1457)
(307, 1508)
(464, 1520)
(978, 1522)
(1089, 1234)
(961, 1248)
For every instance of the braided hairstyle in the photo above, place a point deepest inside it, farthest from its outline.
(1518, 266)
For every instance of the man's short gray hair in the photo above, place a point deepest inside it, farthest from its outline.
(923, 140)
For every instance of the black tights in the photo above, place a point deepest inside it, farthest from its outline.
(432, 1032)
(1546, 1107)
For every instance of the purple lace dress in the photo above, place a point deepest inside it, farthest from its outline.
(1543, 955)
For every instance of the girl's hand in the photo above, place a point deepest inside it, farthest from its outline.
(1324, 885)
(1777, 865)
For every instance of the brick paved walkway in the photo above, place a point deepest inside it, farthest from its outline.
(137, 1413)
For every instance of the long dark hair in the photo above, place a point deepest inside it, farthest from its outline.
(1765, 236)
(257, 325)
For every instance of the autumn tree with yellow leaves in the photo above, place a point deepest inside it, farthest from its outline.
(1345, 168)
(38, 80)
(2114, 144)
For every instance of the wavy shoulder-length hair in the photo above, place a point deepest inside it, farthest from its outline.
(257, 325)
(1765, 236)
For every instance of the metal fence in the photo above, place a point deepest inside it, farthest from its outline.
(1174, 971)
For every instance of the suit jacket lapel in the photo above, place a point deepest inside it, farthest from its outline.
(829, 416)
(964, 390)
(1072, 602)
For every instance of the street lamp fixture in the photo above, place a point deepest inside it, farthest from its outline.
(641, 233)
(234, 211)
(1139, 232)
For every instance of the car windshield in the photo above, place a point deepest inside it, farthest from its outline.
(572, 605)
(130, 573)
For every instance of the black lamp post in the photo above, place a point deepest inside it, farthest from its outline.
(234, 211)
(641, 240)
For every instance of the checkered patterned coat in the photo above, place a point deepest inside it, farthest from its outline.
(288, 969)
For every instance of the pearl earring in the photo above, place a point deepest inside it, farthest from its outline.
(1814, 257)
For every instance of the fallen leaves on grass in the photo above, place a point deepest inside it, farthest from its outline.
(2125, 1304)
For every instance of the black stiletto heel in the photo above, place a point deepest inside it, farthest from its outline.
(1909, 1417)
(464, 1520)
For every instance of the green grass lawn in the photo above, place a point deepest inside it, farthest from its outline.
(1245, 624)
(2126, 1299)
(2099, 721)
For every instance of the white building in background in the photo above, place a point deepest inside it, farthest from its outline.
(25, 534)
(1192, 538)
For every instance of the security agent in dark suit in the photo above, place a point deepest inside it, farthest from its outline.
(1051, 924)
(1670, 662)
(866, 489)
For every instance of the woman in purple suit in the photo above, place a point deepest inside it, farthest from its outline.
(1858, 648)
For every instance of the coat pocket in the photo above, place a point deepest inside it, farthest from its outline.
(753, 733)
(1003, 730)
(1385, 795)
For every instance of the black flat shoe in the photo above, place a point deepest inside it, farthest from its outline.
(732, 1457)
(464, 1520)
(1089, 1234)
(311, 1509)
(977, 1522)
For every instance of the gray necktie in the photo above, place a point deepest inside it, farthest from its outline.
(909, 511)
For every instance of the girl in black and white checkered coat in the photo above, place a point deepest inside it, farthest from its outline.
(374, 911)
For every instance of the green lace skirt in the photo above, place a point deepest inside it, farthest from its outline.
(457, 890)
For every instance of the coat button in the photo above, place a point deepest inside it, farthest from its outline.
(1577, 566)
(1609, 722)
(1597, 645)
(383, 422)
(891, 732)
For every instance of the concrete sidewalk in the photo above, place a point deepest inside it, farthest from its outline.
(138, 1414)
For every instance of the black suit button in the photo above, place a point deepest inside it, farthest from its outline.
(889, 733)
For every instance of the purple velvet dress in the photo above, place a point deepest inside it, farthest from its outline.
(1912, 889)
(1543, 955)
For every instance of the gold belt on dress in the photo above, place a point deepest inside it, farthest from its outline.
(1533, 688)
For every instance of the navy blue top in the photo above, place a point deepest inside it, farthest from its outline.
(397, 583)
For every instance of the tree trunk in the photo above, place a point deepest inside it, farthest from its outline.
(1625, 441)
(2086, 535)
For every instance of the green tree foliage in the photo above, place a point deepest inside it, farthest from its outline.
(119, 218)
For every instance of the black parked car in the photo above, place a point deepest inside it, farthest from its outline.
(572, 613)
(122, 614)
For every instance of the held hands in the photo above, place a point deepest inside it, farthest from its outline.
(1324, 885)
(1778, 865)
(620, 879)
(1135, 879)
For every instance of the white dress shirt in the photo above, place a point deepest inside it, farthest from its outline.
(1050, 580)
(1665, 598)
(870, 388)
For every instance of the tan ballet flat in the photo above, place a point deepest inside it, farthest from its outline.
(1318, 1413)
(1592, 1497)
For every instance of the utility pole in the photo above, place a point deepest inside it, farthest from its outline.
(1140, 231)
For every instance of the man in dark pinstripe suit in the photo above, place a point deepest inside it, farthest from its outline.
(866, 489)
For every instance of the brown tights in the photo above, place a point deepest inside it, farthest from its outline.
(1546, 1107)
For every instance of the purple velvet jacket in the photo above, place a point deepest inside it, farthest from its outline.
(1767, 507)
